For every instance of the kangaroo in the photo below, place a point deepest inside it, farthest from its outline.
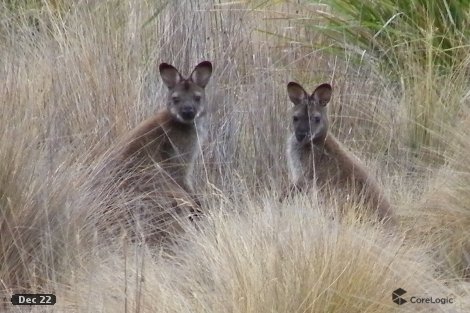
(150, 187)
(171, 137)
(315, 155)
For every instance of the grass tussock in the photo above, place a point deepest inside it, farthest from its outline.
(72, 84)
(445, 207)
(264, 260)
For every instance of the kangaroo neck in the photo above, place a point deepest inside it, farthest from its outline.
(320, 142)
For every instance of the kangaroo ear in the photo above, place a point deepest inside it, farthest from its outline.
(201, 74)
(170, 75)
(322, 94)
(296, 93)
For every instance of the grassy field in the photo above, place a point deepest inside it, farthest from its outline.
(75, 76)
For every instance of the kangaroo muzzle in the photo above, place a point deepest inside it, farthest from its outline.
(188, 113)
(300, 136)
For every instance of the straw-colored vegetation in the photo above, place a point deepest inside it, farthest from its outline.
(75, 76)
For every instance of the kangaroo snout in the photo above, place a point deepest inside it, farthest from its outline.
(188, 113)
(300, 136)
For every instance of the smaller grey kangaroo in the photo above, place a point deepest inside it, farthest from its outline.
(315, 155)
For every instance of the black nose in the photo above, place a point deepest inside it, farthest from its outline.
(188, 113)
(300, 136)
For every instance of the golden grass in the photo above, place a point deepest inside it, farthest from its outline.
(445, 207)
(72, 84)
(265, 260)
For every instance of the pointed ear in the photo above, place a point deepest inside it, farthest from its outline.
(170, 75)
(322, 94)
(296, 93)
(201, 74)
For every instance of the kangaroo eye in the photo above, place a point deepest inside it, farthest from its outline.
(197, 98)
(317, 119)
(295, 118)
(176, 100)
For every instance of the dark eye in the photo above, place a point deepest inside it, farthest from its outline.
(197, 98)
(295, 118)
(176, 100)
(317, 119)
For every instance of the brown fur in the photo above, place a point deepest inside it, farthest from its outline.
(163, 140)
(153, 163)
(168, 138)
(316, 156)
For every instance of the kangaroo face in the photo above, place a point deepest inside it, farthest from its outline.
(186, 98)
(309, 118)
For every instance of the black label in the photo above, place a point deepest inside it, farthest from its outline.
(33, 299)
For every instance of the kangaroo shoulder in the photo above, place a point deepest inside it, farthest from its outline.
(152, 129)
(350, 164)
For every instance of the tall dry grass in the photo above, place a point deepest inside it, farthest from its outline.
(265, 260)
(72, 83)
(445, 206)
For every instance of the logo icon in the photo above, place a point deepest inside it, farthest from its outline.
(396, 296)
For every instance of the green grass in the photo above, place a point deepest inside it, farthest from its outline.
(393, 30)
(417, 42)
(418, 47)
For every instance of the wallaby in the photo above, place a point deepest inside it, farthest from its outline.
(149, 190)
(171, 137)
(315, 156)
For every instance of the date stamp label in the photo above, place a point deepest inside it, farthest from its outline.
(33, 299)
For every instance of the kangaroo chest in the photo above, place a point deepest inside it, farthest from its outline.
(178, 146)
(177, 151)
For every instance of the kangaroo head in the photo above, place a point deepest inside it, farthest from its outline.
(310, 119)
(186, 96)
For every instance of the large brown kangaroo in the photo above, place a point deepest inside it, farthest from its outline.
(171, 137)
(153, 163)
